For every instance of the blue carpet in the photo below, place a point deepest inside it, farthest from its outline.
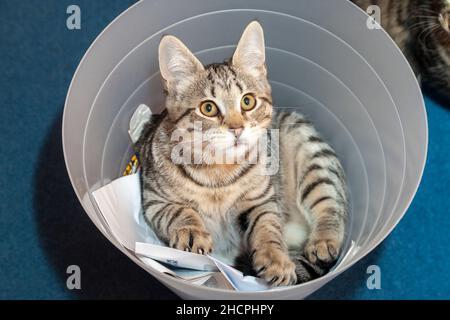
(44, 229)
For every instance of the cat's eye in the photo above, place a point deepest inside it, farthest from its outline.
(209, 109)
(248, 102)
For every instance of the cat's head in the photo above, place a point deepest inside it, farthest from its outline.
(231, 101)
(430, 30)
(442, 9)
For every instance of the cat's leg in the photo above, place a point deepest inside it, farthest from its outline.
(313, 171)
(323, 195)
(180, 226)
(262, 226)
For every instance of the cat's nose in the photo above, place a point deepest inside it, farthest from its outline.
(237, 131)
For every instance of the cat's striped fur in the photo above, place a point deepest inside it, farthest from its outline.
(239, 207)
(421, 30)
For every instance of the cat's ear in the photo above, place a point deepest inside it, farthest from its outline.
(250, 53)
(176, 61)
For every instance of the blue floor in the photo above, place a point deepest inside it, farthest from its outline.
(43, 228)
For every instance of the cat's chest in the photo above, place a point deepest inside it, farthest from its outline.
(219, 210)
(215, 203)
(226, 235)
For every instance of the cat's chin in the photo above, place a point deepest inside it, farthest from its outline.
(232, 154)
(239, 148)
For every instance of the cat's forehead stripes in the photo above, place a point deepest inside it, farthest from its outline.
(223, 76)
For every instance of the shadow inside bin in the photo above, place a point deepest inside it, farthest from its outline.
(68, 236)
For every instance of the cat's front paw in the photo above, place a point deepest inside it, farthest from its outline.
(193, 239)
(322, 252)
(274, 266)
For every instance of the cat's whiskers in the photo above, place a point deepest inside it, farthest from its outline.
(427, 32)
(419, 25)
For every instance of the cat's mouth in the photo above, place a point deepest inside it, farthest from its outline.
(238, 145)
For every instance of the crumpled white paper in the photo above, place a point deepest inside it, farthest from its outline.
(120, 205)
(140, 117)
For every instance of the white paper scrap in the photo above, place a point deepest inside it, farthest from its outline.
(120, 204)
(238, 280)
(176, 258)
(193, 277)
(140, 117)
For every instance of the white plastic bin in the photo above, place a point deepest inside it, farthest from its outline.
(352, 81)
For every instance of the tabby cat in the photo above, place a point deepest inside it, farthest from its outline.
(421, 28)
(239, 207)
